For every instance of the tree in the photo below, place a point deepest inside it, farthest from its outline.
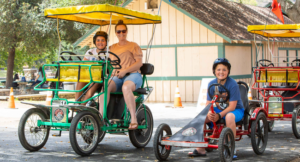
(26, 36)
(292, 9)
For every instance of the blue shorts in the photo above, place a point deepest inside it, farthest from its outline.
(136, 78)
(238, 113)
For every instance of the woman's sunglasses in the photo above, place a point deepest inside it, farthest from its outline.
(123, 31)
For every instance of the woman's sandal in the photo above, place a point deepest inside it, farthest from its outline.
(195, 153)
(133, 126)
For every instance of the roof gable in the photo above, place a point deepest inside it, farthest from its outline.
(231, 19)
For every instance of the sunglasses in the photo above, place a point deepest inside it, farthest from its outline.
(123, 31)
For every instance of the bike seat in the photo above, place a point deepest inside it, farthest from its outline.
(141, 91)
(222, 121)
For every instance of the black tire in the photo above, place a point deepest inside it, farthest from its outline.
(259, 133)
(33, 115)
(141, 137)
(295, 125)
(160, 151)
(251, 109)
(226, 145)
(89, 137)
(102, 133)
(271, 125)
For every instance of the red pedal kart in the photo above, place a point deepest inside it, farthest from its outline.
(219, 137)
(279, 93)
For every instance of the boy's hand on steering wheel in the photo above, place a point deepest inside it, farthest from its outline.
(121, 74)
(213, 117)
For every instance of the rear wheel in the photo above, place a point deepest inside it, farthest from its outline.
(296, 122)
(33, 137)
(141, 137)
(271, 125)
(84, 133)
(246, 125)
(259, 133)
(160, 150)
(226, 145)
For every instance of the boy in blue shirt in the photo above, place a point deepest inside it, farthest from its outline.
(233, 110)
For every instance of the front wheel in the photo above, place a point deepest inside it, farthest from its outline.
(141, 137)
(160, 150)
(259, 133)
(226, 145)
(84, 133)
(33, 137)
(296, 122)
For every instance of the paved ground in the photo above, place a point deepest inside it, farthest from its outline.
(282, 145)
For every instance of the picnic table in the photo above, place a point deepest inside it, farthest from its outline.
(22, 85)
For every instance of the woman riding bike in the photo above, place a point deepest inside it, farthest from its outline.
(131, 56)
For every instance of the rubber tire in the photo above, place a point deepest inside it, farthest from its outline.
(133, 133)
(73, 132)
(102, 123)
(271, 125)
(156, 141)
(223, 136)
(259, 116)
(251, 109)
(296, 112)
(21, 134)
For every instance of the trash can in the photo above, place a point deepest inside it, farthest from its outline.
(69, 85)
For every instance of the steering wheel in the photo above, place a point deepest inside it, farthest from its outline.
(265, 65)
(297, 64)
(113, 62)
(70, 58)
(220, 96)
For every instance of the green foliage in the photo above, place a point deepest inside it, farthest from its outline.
(24, 27)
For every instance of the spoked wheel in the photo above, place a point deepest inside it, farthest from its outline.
(259, 133)
(141, 137)
(32, 137)
(296, 122)
(226, 145)
(84, 132)
(160, 150)
(102, 133)
(271, 125)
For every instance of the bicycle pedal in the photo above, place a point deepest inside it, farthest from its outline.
(57, 135)
(114, 121)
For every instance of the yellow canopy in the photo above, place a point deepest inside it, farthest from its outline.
(100, 15)
(278, 30)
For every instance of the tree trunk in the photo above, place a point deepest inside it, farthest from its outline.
(10, 67)
(294, 12)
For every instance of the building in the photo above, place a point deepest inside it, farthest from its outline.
(192, 35)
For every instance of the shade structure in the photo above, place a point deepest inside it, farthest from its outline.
(278, 30)
(100, 15)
